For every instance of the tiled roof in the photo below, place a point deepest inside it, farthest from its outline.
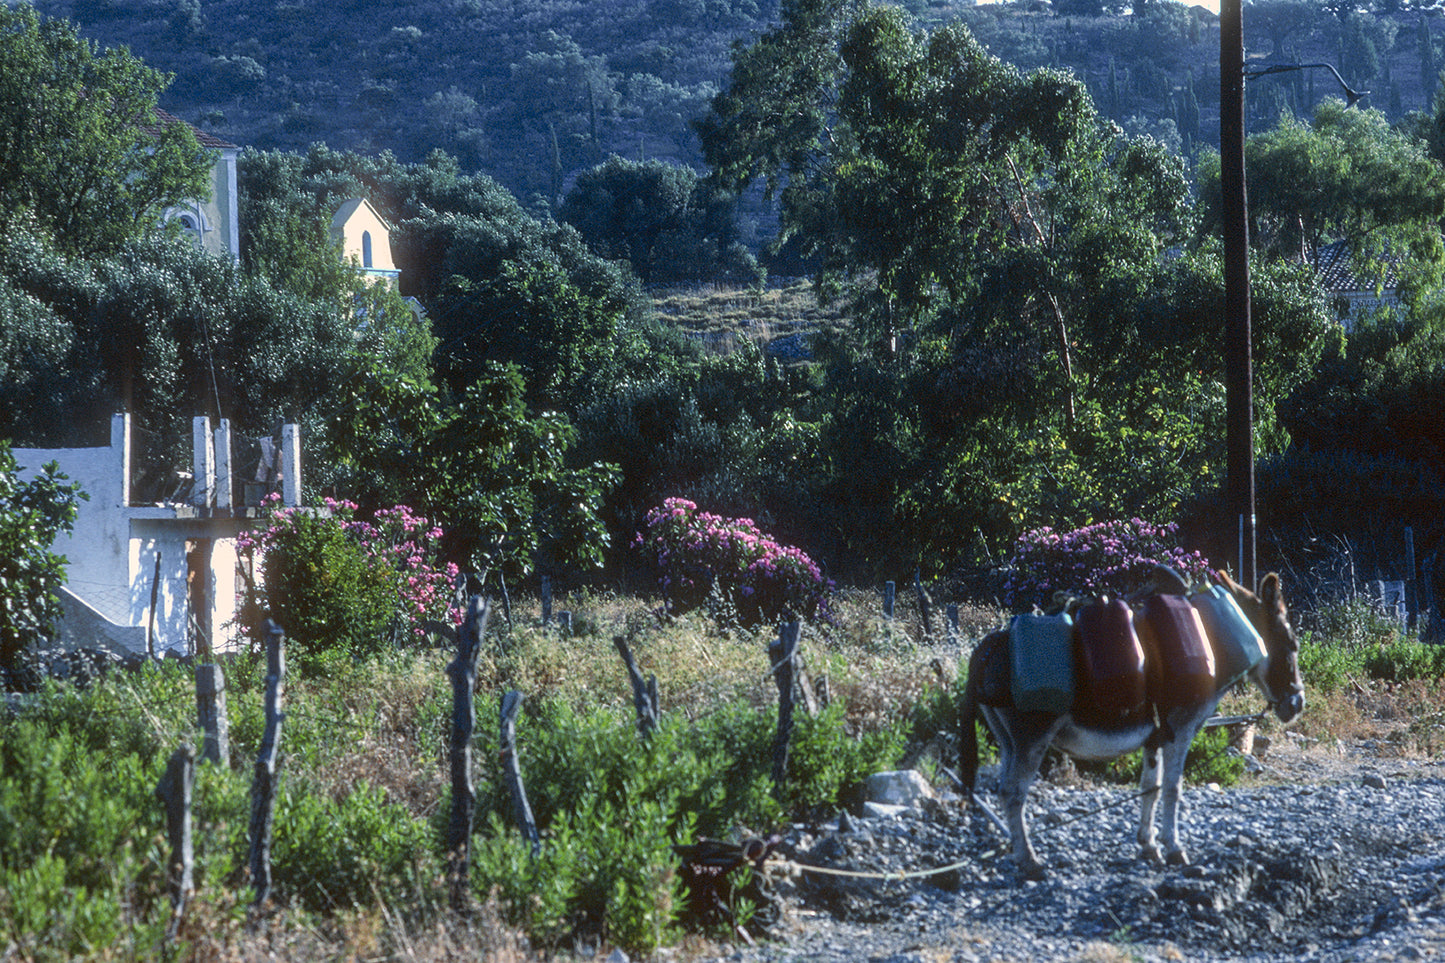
(1337, 274)
(210, 141)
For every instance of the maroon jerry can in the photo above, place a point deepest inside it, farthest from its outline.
(1110, 658)
(1178, 658)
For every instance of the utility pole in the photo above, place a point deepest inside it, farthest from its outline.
(1238, 353)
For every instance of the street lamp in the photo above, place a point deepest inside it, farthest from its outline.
(1238, 358)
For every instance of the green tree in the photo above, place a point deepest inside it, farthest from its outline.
(498, 283)
(1347, 176)
(32, 514)
(81, 152)
(495, 477)
(660, 219)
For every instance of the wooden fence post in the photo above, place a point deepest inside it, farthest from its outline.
(781, 653)
(151, 617)
(211, 714)
(512, 770)
(546, 600)
(174, 792)
(263, 786)
(925, 605)
(951, 629)
(890, 592)
(1412, 601)
(463, 672)
(644, 695)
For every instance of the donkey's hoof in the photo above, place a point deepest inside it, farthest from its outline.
(1150, 853)
(1177, 857)
(1033, 872)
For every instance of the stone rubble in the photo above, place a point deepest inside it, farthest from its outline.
(1346, 870)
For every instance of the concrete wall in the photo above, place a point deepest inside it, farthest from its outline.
(183, 555)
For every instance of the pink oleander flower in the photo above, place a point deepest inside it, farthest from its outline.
(1107, 557)
(696, 552)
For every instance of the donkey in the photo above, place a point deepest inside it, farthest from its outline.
(1023, 737)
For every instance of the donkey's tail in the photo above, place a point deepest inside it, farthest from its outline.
(968, 720)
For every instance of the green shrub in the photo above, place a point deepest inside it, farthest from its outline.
(330, 854)
(1351, 624)
(32, 514)
(1405, 659)
(323, 588)
(826, 765)
(1327, 666)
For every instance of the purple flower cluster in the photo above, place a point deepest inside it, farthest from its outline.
(1109, 557)
(396, 540)
(696, 552)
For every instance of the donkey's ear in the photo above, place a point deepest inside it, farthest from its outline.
(1271, 593)
(1226, 581)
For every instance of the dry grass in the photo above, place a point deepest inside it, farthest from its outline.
(218, 929)
(721, 316)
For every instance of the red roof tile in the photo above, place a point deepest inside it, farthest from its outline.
(210, 141)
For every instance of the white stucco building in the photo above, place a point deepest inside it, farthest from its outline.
(163, 575)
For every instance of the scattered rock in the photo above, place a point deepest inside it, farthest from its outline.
(903, 788)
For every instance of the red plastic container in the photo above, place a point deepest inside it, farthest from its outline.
(1110, 661)
(1178, 658)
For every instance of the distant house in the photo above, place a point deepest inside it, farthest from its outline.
(1352, 297)
(216, 223)
(165, 574)
(365, 240)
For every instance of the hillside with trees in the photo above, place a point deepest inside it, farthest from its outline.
(534, 92)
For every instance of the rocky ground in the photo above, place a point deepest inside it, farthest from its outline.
(1320, 854)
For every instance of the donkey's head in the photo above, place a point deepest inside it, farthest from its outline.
(1278, 676)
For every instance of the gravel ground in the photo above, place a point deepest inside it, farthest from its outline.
(1322, 856)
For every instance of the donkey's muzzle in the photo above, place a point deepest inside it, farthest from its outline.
(1290, 705)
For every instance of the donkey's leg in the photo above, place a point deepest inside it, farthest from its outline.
(1175, 752)
(1149, 783)
(1022, 754)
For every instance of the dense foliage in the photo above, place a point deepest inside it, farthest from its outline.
(34, 512)
(83, 158)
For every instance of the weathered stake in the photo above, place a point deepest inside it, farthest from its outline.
(890, 592)
(512, 770)
(174, 792)
(211, 714)
(781, 652)
(463, 672)
(925, 605)
(263, 785)
(644, 695)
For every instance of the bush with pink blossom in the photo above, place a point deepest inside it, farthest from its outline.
(1113, 557)
(698, 554)
(334, 581)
